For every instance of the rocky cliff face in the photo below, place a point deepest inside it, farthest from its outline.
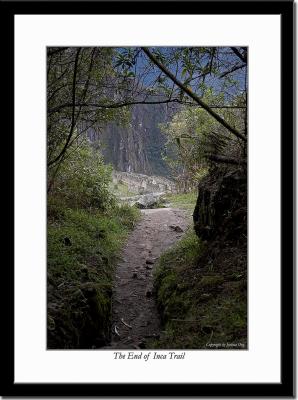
(137, 147)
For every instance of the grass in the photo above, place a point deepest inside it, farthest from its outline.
(201, 303)
(186, 201)
(83, 246)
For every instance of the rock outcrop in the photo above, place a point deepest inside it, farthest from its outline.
(221, 207)
(149, 200)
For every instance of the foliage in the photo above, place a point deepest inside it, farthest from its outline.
(84, 180)
(193, 135)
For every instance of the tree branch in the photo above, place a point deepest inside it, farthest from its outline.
(242, 57)
(131, 103)
(232, 70)
(107, 106)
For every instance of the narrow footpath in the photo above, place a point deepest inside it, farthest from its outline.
(135, 316)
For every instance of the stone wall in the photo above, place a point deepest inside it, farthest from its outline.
(140, 183)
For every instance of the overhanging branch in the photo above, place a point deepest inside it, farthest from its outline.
(131, 103)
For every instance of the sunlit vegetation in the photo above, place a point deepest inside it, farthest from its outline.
(186, 201)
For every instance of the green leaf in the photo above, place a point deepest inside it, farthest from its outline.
(184, 71)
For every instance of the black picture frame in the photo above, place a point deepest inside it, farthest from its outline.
(286, 386)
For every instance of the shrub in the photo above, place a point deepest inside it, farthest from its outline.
(83, 180)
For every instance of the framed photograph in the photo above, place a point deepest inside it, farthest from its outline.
(153, 199)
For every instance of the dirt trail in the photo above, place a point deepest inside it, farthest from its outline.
(135, 313)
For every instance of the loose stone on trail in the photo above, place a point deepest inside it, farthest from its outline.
(176, 228)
